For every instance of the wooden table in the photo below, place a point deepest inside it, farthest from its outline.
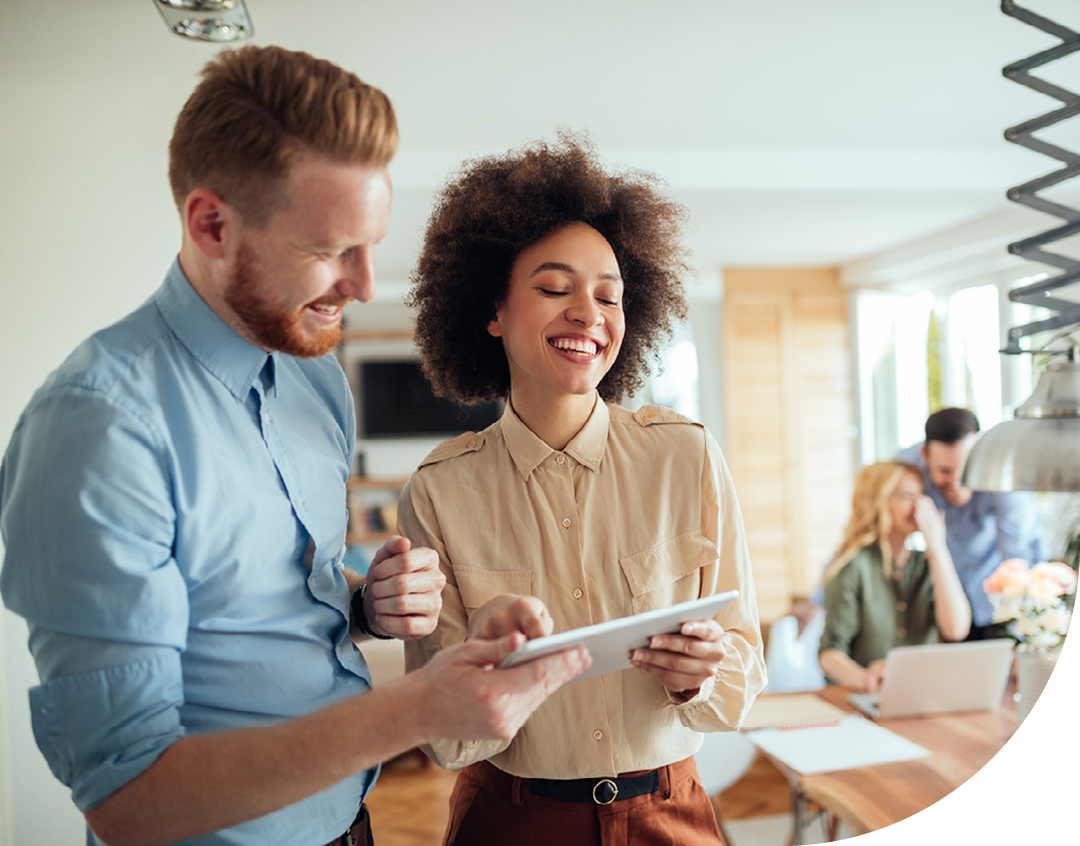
(984, 778)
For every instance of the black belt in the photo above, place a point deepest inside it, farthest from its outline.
(601, 791)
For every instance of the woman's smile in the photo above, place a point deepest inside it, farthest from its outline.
(561, 322)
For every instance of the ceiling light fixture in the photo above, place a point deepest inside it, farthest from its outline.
(1039, 450)
(206, 20)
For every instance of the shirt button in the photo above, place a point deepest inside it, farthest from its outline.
(901, 606)
(566, 522)
(560, 459)
(471, 445)
(577, 593)
(902, 631)
(598, 735)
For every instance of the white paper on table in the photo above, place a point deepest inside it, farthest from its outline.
(838, 744)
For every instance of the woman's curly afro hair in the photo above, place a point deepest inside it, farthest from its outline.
(495, 208)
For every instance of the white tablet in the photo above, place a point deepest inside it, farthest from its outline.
(610, 643)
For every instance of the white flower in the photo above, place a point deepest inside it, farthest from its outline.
(1056, 620)
(1043, 592)
(1027, 627)
(1006, 611)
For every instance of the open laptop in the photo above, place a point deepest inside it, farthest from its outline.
(939, 678)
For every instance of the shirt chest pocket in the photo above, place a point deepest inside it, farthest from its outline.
(668, 573)
(478, 586)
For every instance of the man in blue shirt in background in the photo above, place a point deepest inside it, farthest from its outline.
(172, 504)
(982, 528)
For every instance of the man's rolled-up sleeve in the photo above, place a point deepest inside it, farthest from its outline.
(88, 518)
(101, 729)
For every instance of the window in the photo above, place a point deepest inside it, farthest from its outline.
(918, 353)
(674, 382)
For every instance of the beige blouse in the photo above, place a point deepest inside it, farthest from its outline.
(637, 512)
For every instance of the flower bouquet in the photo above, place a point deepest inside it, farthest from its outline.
(1032, 602)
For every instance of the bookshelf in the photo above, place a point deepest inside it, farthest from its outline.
(372, 504)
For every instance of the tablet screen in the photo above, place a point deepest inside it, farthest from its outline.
(610, 643)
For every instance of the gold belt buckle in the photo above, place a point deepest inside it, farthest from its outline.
(614, 788)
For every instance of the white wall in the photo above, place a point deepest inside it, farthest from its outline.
(7, 834)
(87, 230)
(83, 244)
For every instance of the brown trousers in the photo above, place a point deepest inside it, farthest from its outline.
(490, 808)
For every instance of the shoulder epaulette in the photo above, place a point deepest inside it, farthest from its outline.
(649, 415)
(467, 442)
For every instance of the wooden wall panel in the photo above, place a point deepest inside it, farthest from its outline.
(788, 399)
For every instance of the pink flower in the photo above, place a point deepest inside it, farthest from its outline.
(1012, 573)
(1031, 601)
(1057, 577)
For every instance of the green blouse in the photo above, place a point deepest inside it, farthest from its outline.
(866, 614)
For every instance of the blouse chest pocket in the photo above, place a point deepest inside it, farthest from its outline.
(478, 586)
(668, 573)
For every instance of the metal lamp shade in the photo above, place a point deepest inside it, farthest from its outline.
(1039, 450)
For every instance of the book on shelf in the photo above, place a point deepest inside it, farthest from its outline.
(366, 518)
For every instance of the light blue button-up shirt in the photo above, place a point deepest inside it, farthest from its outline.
(989, 529)
(172, 505)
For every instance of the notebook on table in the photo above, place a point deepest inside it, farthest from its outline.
(845, 742)
(940, 678)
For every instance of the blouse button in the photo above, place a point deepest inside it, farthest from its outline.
(577, 593)
(901, 605)
(471, 445)
(598, 735)
(560, 459)
(566, 522)
(902, 631)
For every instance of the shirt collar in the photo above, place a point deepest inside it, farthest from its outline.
(210, 340)
(528, 451)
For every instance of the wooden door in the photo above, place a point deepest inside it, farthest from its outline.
(789, 428)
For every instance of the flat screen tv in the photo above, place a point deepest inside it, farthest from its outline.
(396, 401)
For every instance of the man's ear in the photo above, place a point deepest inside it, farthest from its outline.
(494, 328)
(205, 217)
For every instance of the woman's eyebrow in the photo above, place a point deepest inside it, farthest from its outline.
(565, 268)
(554, 265)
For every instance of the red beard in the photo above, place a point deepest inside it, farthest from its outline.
(272, 326)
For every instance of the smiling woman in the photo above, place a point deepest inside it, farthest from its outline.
(547, 282)
(561, 324)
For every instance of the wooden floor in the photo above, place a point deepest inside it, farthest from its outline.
(409, 803)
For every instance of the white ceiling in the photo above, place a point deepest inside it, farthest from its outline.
(831, 132)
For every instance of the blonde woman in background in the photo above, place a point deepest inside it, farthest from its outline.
(879, 593)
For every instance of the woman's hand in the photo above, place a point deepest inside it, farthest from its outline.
(874, 676)
(930, 523)
(684, 661)
(510, 613)
(952, 612)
